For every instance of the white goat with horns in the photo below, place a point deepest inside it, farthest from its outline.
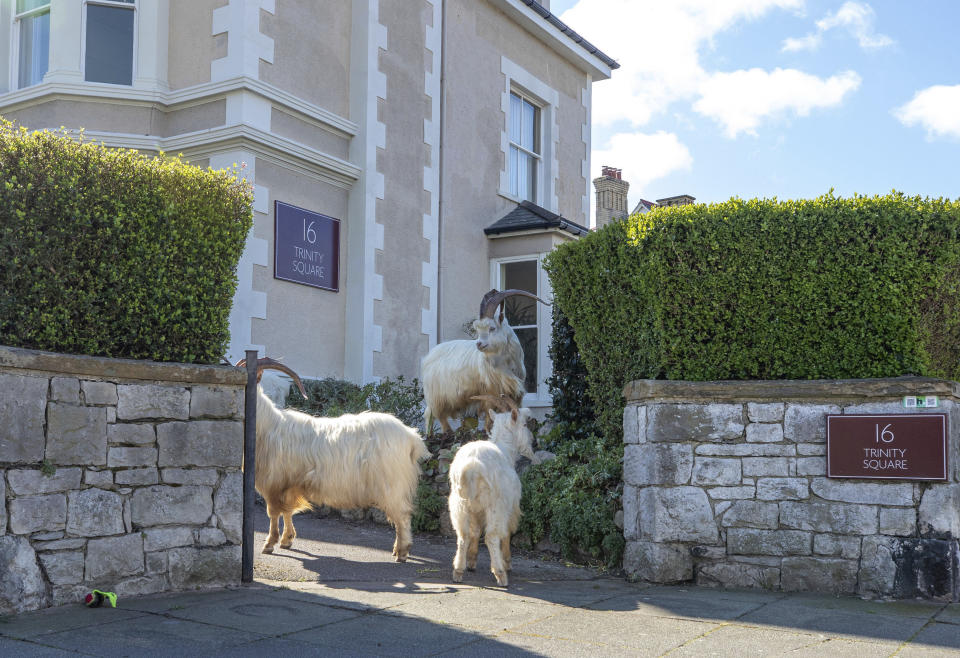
(485, 491)
(457, 371)
(353, 461)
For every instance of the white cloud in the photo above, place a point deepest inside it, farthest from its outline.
(657, 44)
(935, 108)
(741, 100)
(857, 18)
(642, 157)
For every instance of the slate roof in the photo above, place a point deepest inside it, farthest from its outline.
(529, 216)
(567, 30)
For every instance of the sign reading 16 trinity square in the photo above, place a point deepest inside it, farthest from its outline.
(306, 247)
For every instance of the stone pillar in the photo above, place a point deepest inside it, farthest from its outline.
(611, 196)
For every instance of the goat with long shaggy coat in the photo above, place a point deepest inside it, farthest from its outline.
(485, 493)
(353, 461)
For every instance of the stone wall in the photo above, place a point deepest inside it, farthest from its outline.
(116, 475)
(725, 484)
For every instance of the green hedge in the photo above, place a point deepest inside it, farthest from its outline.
(110, 253)
(823, 288)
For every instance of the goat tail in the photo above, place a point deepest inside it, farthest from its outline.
(472, 481)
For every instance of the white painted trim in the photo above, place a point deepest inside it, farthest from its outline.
(153, 36)
(516, 78)
(586, 100)
(542, 397)
(178, 99)
(246, 45)
(553, 38)
(431, 175)
(292, 154)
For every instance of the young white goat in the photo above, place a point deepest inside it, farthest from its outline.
(457, 371)
(353, 461)
(485, 493)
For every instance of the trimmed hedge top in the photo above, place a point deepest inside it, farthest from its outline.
(110, 253)
(824, 288)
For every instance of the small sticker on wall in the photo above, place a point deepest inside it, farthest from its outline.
(920, 401)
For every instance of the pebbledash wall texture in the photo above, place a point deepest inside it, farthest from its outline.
(118, 475)
(725, 484)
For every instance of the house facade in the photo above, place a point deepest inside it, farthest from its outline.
(382, 137)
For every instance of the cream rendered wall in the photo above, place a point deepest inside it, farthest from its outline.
(473, 160)
(311, 42)
(97, 116)
(304, 326)
(192, 46)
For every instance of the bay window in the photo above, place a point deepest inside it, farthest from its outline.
(109, 42)
(32, 39)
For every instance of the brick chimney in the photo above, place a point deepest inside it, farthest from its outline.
(611, 196)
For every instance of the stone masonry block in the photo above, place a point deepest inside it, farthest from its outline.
(631, 513)
(211, 537)
(732, 493)
(22, 585)
(811, 466)
(940, 511)
(716, 471)
(23, 406)
(138, 401)
(878, 569)
(818, 574)
(138, 477)
(813, 449)
(63, 567)
(837, 546)
(898, 521)
(114, 557)
(751, 514)
(695, 422)
(216, 402)
(99, 393)
(95, 513)
(98, 478)
(764, 433)
(676, 514)
(653, 463)
(228, 505)
(728, 574)
(868, 493)
(769, 466)
(765, 412)
(207, 476)
(658, 563)
(162, 505)
(76, 435)
(201, 443)
(782, 488)
(750, 541)
(65, 389)
(807, 423)
(747, 450)
(839, 518)
(160, 539)
(631, 430)
(30, 482)
(126, 457)
(204, 567)
(3, 505)
(131, 434)
(30, 514)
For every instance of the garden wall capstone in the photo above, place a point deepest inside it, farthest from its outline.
(725, 485)
(118, 475)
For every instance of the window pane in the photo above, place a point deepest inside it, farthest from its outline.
(109, 45)
(512, 173)
(516, 118)
(520, 311)
(529, 128)
(528, 177)
(528, 340)
(27, 5)
(34, 49)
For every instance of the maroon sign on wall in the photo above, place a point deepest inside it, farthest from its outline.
(306, 247)
(899, 447)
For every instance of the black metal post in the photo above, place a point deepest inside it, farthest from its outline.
(249, 466)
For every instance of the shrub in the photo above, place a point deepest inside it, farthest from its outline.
(111, 253)
(826, 288)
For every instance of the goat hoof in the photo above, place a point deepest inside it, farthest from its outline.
(501, 578)
(400, 558)
(267, 549)
(457, 576)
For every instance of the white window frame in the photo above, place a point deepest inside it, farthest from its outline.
(541, 397)
(519, 81)
(537, 141)
(14, 50)
(129, 6)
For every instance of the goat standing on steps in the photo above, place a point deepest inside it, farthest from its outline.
(485, 493)
(354, 461)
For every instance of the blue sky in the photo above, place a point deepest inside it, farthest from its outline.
(776, 98)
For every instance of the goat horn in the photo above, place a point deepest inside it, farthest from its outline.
(266, 363)
(493, 299)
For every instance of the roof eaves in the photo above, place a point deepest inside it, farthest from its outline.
(571, 33)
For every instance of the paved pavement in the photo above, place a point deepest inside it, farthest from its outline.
(337, 592)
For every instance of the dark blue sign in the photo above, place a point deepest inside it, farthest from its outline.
(306, 247)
